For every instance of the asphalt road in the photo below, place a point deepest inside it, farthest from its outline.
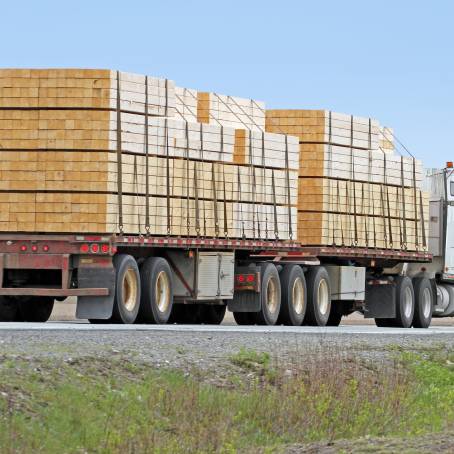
(345, 329)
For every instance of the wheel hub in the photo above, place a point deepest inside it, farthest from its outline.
(323, 297)
(298, 296)
(130, 289)
(162, 292)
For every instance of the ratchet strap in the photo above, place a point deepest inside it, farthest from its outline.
(416, 205)
(276, 227)
(186, 152)
(287, 182)
(166, 132)
(147, 152)
(404, 212)
(119, 159)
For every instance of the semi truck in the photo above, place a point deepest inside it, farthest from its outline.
(154, 279)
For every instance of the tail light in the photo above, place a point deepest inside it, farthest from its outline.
(105, 248)
(84, 248)
(23, 248)
(94, 248)
(34, 248)
(46, 248)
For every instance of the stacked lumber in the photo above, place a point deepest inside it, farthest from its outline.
(79, 154)
(353, 189)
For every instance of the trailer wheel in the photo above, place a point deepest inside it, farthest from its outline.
(244, 318)
(8, 309)
(319, 297)
(35, 308)
(424, 299)
(127, 289)
(270, 296)
(156, 291)
(212, 314)
(405, 302)
(294, 296)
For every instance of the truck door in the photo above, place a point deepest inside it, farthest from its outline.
(449, 245)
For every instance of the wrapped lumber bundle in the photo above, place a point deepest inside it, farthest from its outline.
(353, 189)
(101, 151)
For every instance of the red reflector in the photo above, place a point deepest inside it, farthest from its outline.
(105, 248)
(23, 248)
(95, 248)
(250, 278)
(34, 248)
(84, 248)
(241, 278)
(45, 248)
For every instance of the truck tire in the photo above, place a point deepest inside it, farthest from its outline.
(8, 309)
(35, 308)
(244, 318)
(294, 296)
(424, 302)
(405, 302)
(156, 298)
(127, 289)
(318, 296)
(212, 314)
(270, 296)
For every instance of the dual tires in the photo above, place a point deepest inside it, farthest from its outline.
(141, 295)
(414, 304)
(145, 295)
(291, 298)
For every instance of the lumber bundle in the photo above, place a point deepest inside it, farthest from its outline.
(353, 190)
(101, 151)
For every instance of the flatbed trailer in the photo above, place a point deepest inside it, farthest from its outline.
(126, 279)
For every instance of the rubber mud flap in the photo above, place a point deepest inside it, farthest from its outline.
(96, 307)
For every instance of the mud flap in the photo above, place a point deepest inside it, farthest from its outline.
(96, 307)
(246, 301)
(380, 301)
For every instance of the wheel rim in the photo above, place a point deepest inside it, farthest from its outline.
(323, 297)
(130, 288)
(271, 296)
(298, 296)
(162, 291)
(408, 302)
(426, 302)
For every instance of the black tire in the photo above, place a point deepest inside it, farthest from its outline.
(404, 292)
(335, 317)
(293, 287)
(244, 318)
(127, 289)
(212, 314)
(35, 309)
(9, 309)
(156, 291)
(270, 296)
(318, 296)
(424, 302)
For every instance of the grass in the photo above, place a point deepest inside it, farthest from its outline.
(95, 405)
